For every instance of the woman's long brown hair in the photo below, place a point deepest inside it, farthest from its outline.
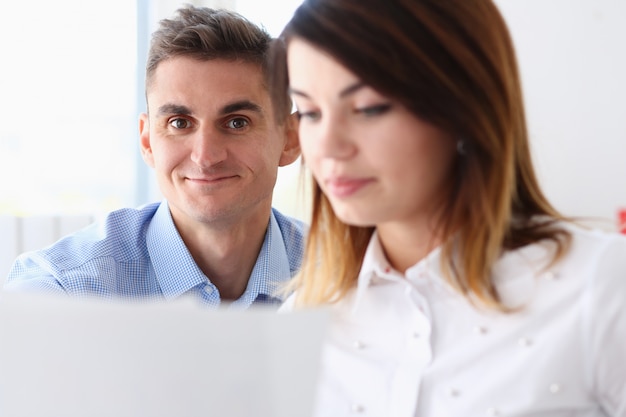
(452, 63)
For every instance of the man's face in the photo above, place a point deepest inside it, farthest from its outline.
(212, 139)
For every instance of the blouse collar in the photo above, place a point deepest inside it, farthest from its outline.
(376, 270)
(514, 274)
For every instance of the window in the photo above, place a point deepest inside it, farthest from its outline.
(68, 141)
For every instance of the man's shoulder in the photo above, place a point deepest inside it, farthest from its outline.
(101, 259)
(120, 234)
(291, 228)
(293, 233)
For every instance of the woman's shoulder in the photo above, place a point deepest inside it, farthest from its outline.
(596, 244)
(598, 257)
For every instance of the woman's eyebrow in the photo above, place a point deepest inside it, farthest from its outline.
(351, 89)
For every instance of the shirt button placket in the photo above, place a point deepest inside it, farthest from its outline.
(358, 408)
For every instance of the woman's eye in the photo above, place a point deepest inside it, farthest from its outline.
(374, 110)
(309, 115)
(237, 123)
(180, 123)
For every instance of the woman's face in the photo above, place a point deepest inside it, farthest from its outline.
(376, 162)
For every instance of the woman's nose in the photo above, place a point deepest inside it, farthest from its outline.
(335, 140)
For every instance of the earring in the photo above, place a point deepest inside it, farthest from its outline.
(461, 147)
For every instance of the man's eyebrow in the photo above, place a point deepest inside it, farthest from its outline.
(241, 105)
(167, 109)
(351, 89)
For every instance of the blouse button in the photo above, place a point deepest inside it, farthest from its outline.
(524, 342)
(493, 412)
(453, 392)
(358, 345)
(551, 276)
(554, 388)
(357, 408)
(480, 329)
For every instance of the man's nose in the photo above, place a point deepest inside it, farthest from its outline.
(208, 148)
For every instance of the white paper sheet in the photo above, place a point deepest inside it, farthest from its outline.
(68, 358)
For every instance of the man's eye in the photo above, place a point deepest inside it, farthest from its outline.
(237, 123)
(180, 123)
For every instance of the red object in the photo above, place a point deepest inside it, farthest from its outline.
(621, 220)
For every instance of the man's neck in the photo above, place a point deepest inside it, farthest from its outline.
(227, 255)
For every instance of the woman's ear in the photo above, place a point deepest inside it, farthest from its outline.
(291, 150)
(144, 140)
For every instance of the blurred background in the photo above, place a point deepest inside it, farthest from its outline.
(71, 89)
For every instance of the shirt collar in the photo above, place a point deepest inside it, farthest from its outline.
(177, 272)
(174, 267)
(270, 270)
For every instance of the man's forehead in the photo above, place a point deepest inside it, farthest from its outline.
(223, 85)
(184, 67)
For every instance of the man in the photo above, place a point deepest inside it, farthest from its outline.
(215, 141)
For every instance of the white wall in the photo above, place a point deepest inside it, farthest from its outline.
(572, 55)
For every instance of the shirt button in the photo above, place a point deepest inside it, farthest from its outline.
(524, 342)
(357, 408)
(208, 289)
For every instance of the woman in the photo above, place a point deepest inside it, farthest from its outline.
(456, 288)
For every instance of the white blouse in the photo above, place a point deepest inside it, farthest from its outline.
(409, 345)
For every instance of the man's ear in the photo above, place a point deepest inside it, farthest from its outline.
(144, 139)
(291, 150)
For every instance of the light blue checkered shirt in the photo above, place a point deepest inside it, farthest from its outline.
(138, 254)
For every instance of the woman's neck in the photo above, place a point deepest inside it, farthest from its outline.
(405, 245)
